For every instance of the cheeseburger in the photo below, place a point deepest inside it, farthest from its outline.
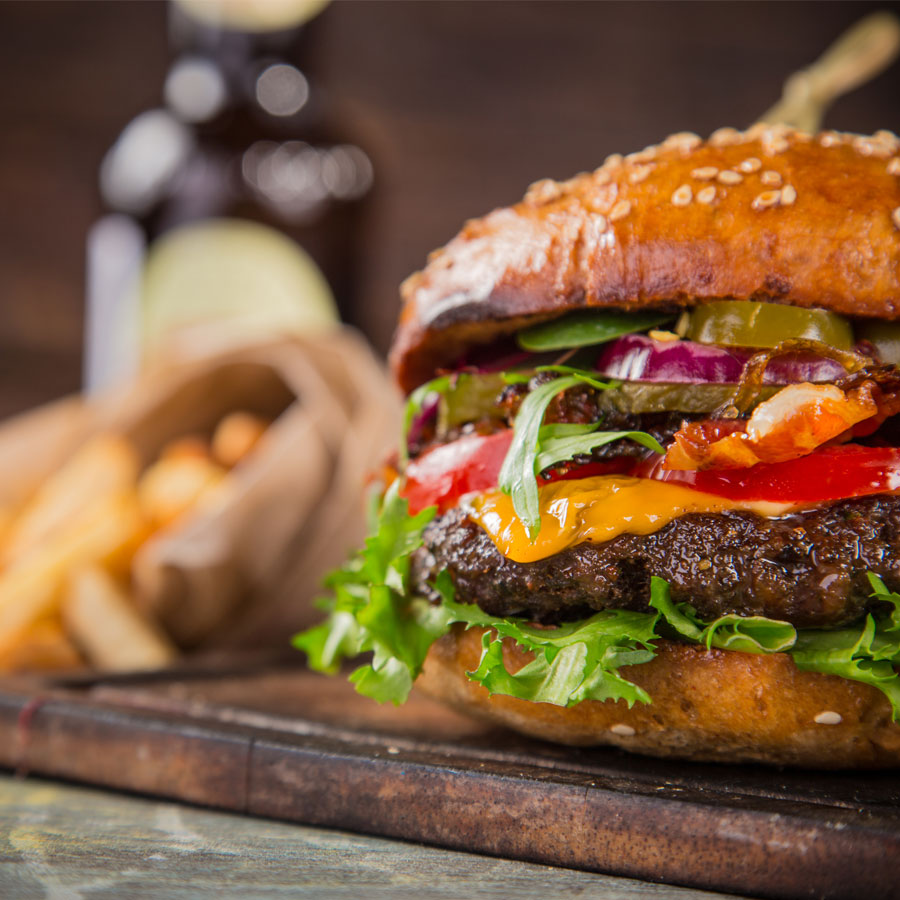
(648, 492)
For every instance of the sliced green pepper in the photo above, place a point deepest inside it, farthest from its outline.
(475, 397)
(743, 323)
(471, 397)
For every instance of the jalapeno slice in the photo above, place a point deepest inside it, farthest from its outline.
(744, 323)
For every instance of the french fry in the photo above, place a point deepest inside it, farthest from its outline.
(172, 486)
(106, 625)
(103, 466)
(190, 446)
(235, 436)
(107, 531)
(43, 646)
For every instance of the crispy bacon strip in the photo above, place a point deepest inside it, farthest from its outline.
(793, 423)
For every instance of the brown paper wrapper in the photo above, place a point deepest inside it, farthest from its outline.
(243, 571)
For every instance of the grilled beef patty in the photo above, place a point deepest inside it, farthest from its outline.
(808, 568)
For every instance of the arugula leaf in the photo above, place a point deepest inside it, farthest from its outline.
(536, 446)
(584, 328)
(582, 375)
(517, 475)
(557, 450)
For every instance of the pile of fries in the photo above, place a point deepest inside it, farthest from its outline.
(66, 599)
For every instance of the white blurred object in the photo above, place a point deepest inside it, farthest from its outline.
(115, 254)
(144, 160)
(195, 89)
(225, 282)
(282, 90)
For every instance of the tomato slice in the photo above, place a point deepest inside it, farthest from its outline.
(470, 464)
(831, 473)
(439, 477)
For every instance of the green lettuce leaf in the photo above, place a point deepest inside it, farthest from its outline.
(864, 654)
(585, 328)
(572, 662)
(749, 634)
(371, 612)
(879, 590)
(370, 609)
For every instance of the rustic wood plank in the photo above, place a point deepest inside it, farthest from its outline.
(62, 841)
(293, 745)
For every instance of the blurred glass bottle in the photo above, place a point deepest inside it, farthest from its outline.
(229, 204)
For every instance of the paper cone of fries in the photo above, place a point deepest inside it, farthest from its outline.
(196, 509)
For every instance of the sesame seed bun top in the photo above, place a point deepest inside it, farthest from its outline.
(766, 214)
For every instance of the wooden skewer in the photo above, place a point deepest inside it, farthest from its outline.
(854, 58)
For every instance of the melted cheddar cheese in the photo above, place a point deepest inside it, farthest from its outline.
(597, 509)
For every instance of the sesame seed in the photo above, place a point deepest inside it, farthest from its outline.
(893, 167)
(683, 140)
(830, 139)
(726, 137)
(895, 215)
(729, 177)
(682, 196)
(828, 717)
(705, 173)
(704, 564)
(599, 222)
(887, 142)
(642, 156)
(752, 164)
(613, 160)
(544, 191)
(619, 211)
(766, 199)
(639, 174)
(393, 750)
(706, 195)
(771, 178)
(788, 195)
(774, 144)
(623, 730)
(881, 146)
(757, 131)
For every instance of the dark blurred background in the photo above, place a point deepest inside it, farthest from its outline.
(459, 104)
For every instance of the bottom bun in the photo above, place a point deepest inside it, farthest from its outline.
(709, 705)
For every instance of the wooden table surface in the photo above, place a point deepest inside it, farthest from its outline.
(497, 100)
(64, 842)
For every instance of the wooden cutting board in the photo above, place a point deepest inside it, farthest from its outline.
(285, 743)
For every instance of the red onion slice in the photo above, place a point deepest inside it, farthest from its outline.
(636, 357)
